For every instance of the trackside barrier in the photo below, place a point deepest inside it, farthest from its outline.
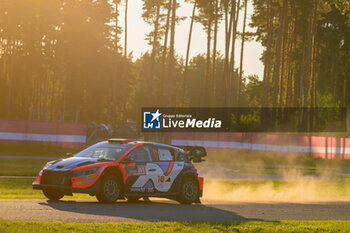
(71, 135)
(318, 146)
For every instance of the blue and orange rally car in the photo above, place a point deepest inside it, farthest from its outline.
(121, 168)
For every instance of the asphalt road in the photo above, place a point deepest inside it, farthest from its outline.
(164, 210)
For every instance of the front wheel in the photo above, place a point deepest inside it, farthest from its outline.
(109, 190)
(189, 191)
(52, 194)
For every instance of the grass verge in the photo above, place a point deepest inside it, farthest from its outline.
(21, 188)
(21, 167)
(281, 226)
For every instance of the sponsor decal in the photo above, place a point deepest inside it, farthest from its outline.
(135, 189)
(79, 182)
(145, 190)
(161, 179)
(91, 176)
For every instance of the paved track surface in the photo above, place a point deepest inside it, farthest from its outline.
(164, 210)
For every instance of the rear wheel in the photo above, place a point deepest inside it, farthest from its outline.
(53, 194)
(189, 191)
(109, 190)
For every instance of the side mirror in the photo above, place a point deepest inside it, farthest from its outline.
(68, 155)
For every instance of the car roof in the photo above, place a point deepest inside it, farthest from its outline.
(159, 144)
(134, 142)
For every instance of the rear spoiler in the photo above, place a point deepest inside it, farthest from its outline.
(195, 153)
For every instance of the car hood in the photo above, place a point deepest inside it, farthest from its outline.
(73, 162)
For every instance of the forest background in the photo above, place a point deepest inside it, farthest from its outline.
(70, 61)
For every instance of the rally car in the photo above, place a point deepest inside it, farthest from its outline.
(121, 168)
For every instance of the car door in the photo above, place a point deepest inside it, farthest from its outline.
(166, 168)
(136, 170)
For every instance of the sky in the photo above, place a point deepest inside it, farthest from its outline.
(137, 30)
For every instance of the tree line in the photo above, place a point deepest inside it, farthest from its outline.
(65, 60)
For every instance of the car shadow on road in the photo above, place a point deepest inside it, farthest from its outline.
(148, 211)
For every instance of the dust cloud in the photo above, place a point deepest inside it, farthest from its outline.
(301, 191)
(299, 180)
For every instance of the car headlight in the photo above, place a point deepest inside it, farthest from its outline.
(89, 173)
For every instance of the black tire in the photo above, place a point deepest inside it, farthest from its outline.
(133, 199)
(109, 189)
(53, 194)
(189, 191)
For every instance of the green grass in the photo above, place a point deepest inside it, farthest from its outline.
(256, 226)
(18, 189)
(39, 149)
(21, 188)
(21, 167)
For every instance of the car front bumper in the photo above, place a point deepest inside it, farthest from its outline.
(66, 190)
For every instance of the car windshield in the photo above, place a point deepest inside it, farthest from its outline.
(104, 151)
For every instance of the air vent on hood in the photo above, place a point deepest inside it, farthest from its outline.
(59, 167)
(84, 163)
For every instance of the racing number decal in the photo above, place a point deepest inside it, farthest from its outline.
(139, 170)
